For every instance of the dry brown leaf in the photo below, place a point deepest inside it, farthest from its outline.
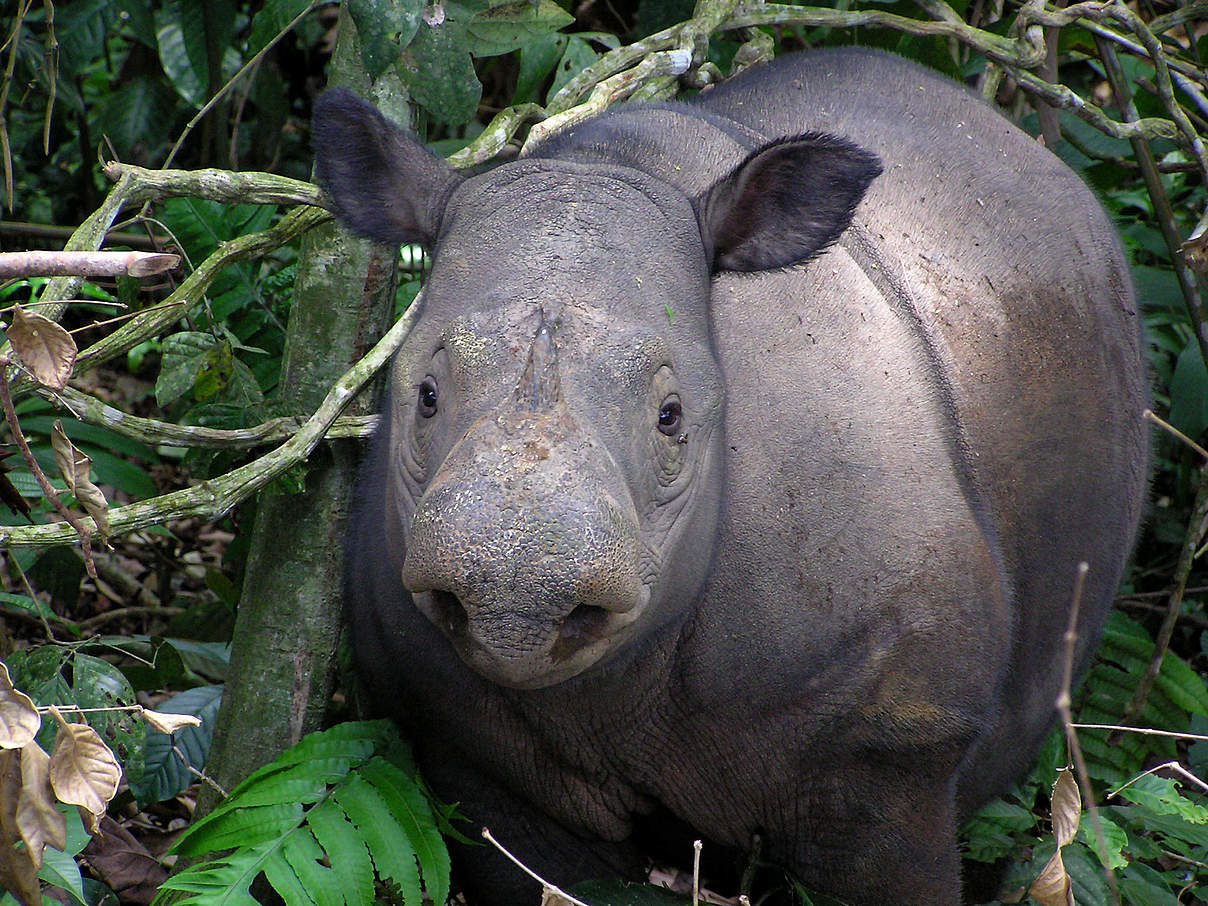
(39, 822)
(1067, 807)
(123, 863)
(83, 772)
(1052, 887)
(43, 347)
(19, 719)
(18, 873)
(169, 723)
(76, 469)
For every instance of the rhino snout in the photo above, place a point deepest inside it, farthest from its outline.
(531, 575)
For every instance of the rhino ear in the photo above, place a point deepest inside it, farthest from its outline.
(786, 202)
(383, 183)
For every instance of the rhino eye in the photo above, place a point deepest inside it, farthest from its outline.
(670, 414)
(427, 398)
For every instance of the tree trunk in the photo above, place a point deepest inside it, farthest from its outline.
(289, 619)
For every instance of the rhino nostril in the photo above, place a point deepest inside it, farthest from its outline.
(450, 615)
(582, 626)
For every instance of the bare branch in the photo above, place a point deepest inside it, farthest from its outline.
(85, 264)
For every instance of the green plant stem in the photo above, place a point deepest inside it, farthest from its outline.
(1161, 203)
(155, 320)
(214, 497)
(168, 434)
(212, 185)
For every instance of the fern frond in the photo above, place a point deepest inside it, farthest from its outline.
(367, 813)
(222, 882)
(345, 851)
(388, 844)
(411, 810)
(238, 828)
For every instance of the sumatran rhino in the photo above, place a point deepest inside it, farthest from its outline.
(737, 469)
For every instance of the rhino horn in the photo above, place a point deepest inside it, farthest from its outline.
(539, 387)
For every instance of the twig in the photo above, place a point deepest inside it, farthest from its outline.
(85, 264)
(697, 846)
(94, 623)
(1157, 194)
(1070, 640)
(1166, 426)
(1168, 766)
(82, 530)
(1143, 731)
(486, 835)
(217, 496)
(169, 434)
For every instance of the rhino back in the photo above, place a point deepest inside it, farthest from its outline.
(1014, 311)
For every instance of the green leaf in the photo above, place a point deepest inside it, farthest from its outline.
(577, 57)
(302, 854)
(1189, 392)
(1161, 795)
(270, 20)
(98, 684)
(1114, 838)
(182, 50)
(60, 869)
(165, 774)
(281, 875)
(222, 882)
(388, 844)
(514, 24)
(182, 357)
(345, 850)
(411, 810)
(238, 827)
(537, 60)
(439, 73)
(385, 28)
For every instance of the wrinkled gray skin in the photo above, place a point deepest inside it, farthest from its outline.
(822, 600)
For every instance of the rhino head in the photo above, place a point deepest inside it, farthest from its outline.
(556, 417)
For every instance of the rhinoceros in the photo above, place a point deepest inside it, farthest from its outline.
(735, 474)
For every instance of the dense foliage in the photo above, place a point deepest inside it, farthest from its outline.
(128, 78)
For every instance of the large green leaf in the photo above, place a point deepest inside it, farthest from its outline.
(369, 815)
(508, 26)
(167, 773)
(385, 28)
(1189, 392)
(439, 73)
(270, 20)
(95, 683)
(182, 357)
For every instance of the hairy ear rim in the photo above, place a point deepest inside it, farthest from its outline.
(382, 183)
(786, 202)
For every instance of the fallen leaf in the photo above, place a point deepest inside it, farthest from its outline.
(40, 823)
(1067, 807)
(169, 723)
(43, 347)
(76, 469)
(19, 719)
(83, 772)
(18, 873)
(123, 863)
